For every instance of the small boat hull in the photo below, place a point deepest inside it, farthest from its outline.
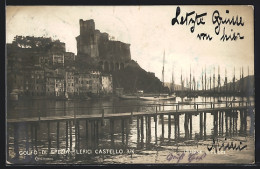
(128, 97)
(158, 98)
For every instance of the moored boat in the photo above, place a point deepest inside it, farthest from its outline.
(160, 97)
(126, 97)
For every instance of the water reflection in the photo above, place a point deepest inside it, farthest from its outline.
(75, 141)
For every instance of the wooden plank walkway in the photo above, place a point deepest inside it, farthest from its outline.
(123, 115)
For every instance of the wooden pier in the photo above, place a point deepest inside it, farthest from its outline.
(224, 114)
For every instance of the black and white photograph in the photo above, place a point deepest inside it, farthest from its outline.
(158, 84)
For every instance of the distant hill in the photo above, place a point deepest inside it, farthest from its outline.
(246, 82)
(245, 85)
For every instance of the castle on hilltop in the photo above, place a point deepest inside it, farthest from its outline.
(109, 54)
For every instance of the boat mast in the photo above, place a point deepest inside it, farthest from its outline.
(172, 79)
(234, 79)
(205, 79)
(202, 79)
(163, 68)
(226, 84)
(214, 79)
(181, 81)
(219, 84)
(190, 77)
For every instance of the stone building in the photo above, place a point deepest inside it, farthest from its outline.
(81, 84)
(38, 66)
(110, 55)
(15, 82)
(50, 86)
(55, 82)
(59, 86)
(87, 83)
(95, 82)
(34, 81)
(70, 83)
(50, 82)
(69, 59)
(39, 82)
(107, 84)
(58, 59)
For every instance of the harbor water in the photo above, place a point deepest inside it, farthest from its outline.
(41, 145)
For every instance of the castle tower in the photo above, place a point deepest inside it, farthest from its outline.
(87, 41)
(110, 55)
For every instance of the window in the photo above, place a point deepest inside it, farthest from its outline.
(71, 84)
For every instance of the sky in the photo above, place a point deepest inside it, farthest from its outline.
(150, 32)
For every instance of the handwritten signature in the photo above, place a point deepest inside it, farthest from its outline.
(220, 145)
(191, 157)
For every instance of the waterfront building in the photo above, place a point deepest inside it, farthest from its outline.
(33, 81)
(59, 86)
(39, 66)
(69, 83)
(16, 81)
(38, 78)
(107, 84)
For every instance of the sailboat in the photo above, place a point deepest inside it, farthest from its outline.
(160, 96)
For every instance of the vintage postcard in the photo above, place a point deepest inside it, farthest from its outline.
(130, 85)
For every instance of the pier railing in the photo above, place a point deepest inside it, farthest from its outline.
(160, 108)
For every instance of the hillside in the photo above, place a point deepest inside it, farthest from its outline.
(134, 78)
(245, 85)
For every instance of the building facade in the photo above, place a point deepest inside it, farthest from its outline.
(107, 84)
(38, 66)
(111, 55)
